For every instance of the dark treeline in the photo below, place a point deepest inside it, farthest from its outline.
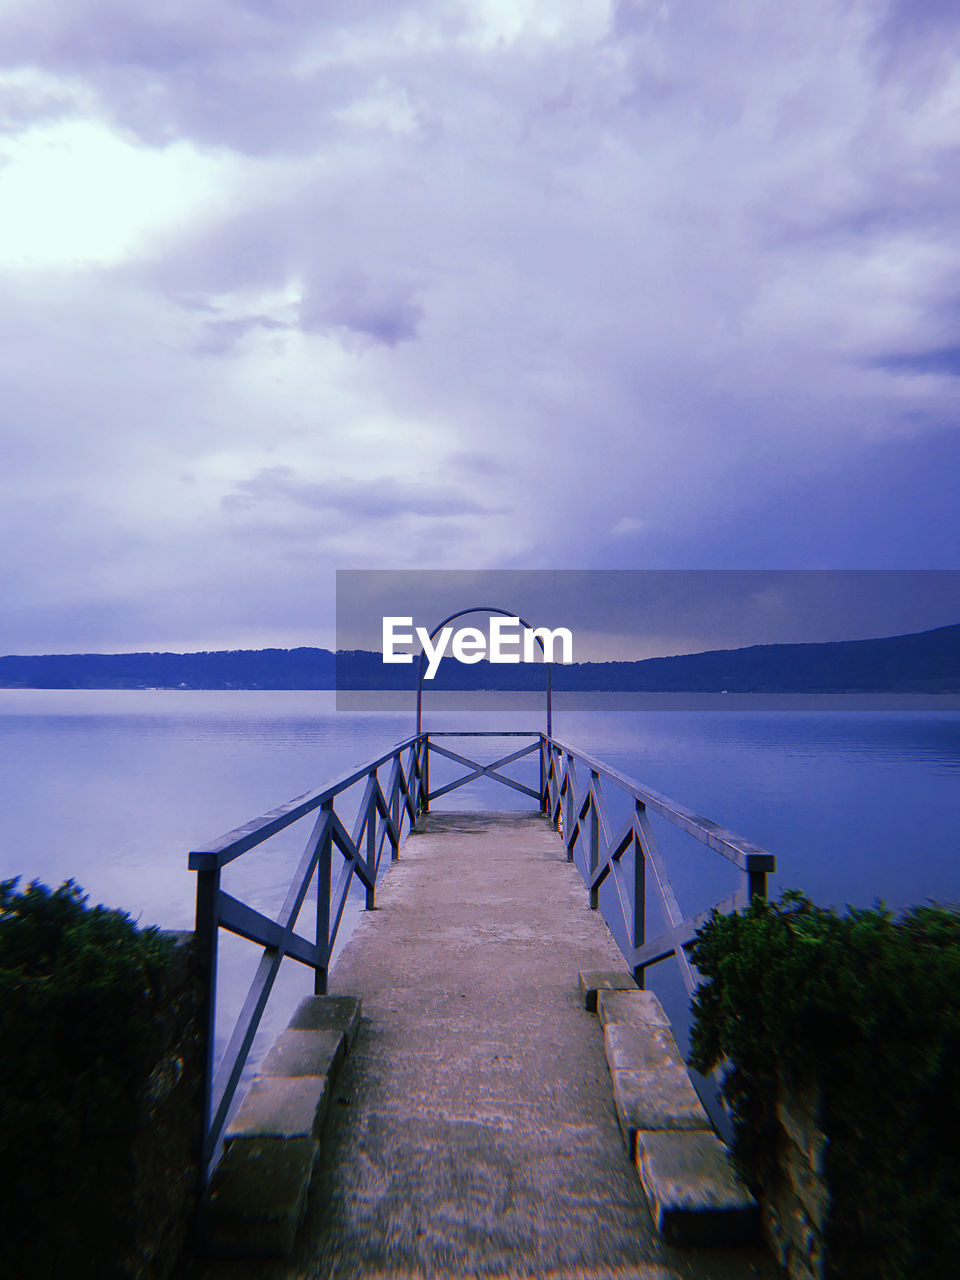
(226, 669)
(925, 662)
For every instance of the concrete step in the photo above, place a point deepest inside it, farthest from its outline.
(651, 1086)
(641, 1007)
(257, 1197)
(639, 1046)
(305, 1053)
(693, 1193)
(328, 1013)
(605, 980)
(281, 1107)
(258, 1193)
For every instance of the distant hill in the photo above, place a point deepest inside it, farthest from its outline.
(219, 669)
(926, 662)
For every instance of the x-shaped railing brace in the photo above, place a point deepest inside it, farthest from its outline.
(484, 770)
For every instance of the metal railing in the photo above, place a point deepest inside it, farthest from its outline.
(579, 809)
(570, 793)
(381, 815)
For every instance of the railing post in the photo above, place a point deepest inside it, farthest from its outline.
(396, 807)
(756, 882)
(544, 802)
(558, 783)
(207, 926)
(324, 868)
(638, 931)
(415, 774)
(372, 815)
(594, 838)
(425, 775)
(568, 825)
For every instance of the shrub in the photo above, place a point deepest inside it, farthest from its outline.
(81, 1003)
(864, 1010)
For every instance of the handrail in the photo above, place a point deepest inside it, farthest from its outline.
(744, 853)
(385, 813)
(382, 814)
(580, 813)
(241, 839)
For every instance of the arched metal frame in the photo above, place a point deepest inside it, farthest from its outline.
(506, 613)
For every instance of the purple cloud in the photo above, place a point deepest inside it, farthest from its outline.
(384, 312)
(373, 501)
(615, 284)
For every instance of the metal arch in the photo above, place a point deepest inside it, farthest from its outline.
(482, 608)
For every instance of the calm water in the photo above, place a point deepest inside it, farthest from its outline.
(113, 788)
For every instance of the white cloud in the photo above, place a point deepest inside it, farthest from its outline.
(628, 525)
(75, 193)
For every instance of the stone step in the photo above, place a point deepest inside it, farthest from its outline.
(305, 1053)
(257, 1197)
(694, 1195)
(632, 1046)
(605, 980)
(281, 1107)
(631, 1007)
(328, 1013)
(651, 1087)
(258, 1193)
(661, 1099)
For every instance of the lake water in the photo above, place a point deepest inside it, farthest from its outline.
(113, 788)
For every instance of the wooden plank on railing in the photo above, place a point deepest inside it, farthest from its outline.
(393, 827)
(484, 733)
(339, 896)
(238, 1048)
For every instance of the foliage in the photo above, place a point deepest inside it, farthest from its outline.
(864, 1009)
(81, 998)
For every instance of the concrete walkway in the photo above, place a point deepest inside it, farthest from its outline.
(472, 1130)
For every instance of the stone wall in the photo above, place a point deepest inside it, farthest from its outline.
(796, 1206)
(164, 1182)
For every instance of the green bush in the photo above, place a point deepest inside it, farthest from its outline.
(81, 1000)
(864, 1009)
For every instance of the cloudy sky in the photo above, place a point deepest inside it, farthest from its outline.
(289, 286)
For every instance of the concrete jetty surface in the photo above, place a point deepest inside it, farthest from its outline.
(472, 1130)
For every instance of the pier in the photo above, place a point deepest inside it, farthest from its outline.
(472, 1128)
